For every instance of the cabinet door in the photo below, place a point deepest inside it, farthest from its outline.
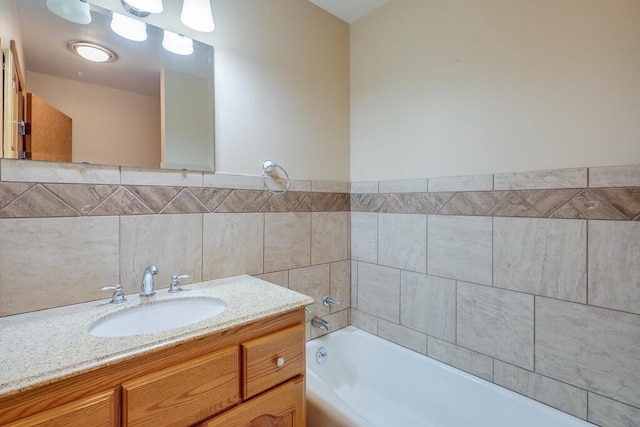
(184, 394)
(283, 406)
(95, 411)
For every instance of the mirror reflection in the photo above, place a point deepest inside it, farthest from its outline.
(144, 106)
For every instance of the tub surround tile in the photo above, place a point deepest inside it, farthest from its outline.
(364, 321)
(37, 201)
(280, 278)
(607, 412)
(334, 202)
(321, 186)
(472, 203)
(54, 172)
(302, 185)
(287, 241)
(405, 337)
(615, 176)
(404, 186)
(588, 205)
(554, 393)
(243, 201)
(287, 202)
(367, 202)
(461, 183)
(514, 205)
(402, 241)
(589, 347)
(467, 360)
(211, 197)
(185, 202)
(547, 201)
(415, 203)
(340, 288)
(306, 205)
(121, 202)
(9, 191)
(460, 248)
(556, 178)
(624, 200)
(364, 187)
(180, 178)
(521, 246)
(314, 281)
(496, 322)
(329, 236)
(379, 291)
(233, 181)
(354, 284)
(83, 198)
(614, 276)
(364, 236)
(156, 198)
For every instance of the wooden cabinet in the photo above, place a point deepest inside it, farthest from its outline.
(231, 378)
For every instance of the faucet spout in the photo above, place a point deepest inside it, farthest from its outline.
(320, 323)
(147, 281)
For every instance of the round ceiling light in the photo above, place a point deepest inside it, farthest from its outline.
(91, 51)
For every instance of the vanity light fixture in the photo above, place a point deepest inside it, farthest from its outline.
(142, 8)
(91, 51)
(76, 11)
(177, 43)
(128, 28)
(196, 14)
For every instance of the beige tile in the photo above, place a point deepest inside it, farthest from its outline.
(428, 304)
(341, 285)
(121, 202)
(460, 248)
(226, 180)
(461, 183)
(589, 347)
(615, 176)
(329, 236)
(37, 202)
(405, 337)
(83, 198)
(404, 186)
(379, 291)
(329, 186)
(139, 176)
(554, 393)
(402, 241)
(279, 278)
(287, 241)
(173, 243)
(51, 262)
(232, 245)
(607, 412)
(469, 361)
(185, 202)
(364, 187)
(364, 236)
(354, 284)
(496, 322)
(364, 321)
(314, 281)
(72, 173)
(541, 256)
(337, 321)
(614, 256)
(555, 178)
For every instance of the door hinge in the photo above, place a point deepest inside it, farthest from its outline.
(24, 155)
(24, 128)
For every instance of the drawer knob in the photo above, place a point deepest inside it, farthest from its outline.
(280, 362)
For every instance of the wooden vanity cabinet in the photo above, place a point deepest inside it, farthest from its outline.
(250, 376)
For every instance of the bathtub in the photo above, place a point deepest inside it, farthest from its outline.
(391, 386)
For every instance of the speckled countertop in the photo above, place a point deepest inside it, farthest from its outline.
(44, 346)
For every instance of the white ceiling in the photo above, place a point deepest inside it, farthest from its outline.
(349, 10)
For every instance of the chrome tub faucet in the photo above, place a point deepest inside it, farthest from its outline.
(320, 323)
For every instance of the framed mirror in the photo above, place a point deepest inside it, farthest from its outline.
(146, 107)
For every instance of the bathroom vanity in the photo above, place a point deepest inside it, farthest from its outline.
(243, 367)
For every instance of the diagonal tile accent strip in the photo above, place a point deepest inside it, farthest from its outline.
(9, 191)
(255, 198)
(625, 200)
(234, 203)
(513, 205)
(184, 203)
(305, 205)
(587, 205)
(82, 197)
(121, 202)
(287, 202)
(547, 201)
(37, 202)
(156, 198)
(367, 202)
(211, 197)
(334, 202)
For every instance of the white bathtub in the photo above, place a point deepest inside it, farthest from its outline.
(368, 381)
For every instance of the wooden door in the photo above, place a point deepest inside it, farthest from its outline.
(50, 136)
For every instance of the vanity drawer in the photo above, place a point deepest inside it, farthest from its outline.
(260, 360)
(183, 394)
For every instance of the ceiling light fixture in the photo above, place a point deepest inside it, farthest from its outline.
(196, 14)
(177, 43)
(91, 51)
(72, 10)
(142, 8)
(128, 28)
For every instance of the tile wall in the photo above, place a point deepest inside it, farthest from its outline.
(529, 280)
(66, 230)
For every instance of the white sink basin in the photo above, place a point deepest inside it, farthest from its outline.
(158, 317)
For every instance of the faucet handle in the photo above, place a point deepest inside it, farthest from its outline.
(328, 301)
(118, 293)
(175, 283)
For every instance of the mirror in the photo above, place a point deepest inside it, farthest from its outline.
(148, 108)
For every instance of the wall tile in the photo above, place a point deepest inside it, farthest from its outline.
(330, 202)
(415, 203)
(589, 347)
(607, 412)
(461, 183)
(364, 236)
(73, 173)
(364, 187)
(232, 245)
(329, 186)
(546, 390)
(184, 202)
(314, 281)
(279, 278)
(121, 202)
(367, 202)
(9, 191)
(210, 197)
(156, 198)
(139, 176)
(51, 262)
(547, 201)
(461, 358)
(556, 178)
(37, 201)
(428, 304)
(364, 321)
(341, 285)
(404, 186)
(402, 241)
(496, 322)
(287, 202)
(615, 176)
(514, 205)
(460, 248)
(173, 243)
(83, 198)
(329, 236)
(379, 291)
(405, 337)
(226, 180)
(624, 200)
(541, 256)
(473, 203)
(354, 284)
(614, 255)
(287, 241)
(588, 205)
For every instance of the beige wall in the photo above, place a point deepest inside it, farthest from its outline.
(110, 126)
(464, 87)
(10, 27)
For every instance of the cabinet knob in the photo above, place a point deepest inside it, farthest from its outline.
(280, 362)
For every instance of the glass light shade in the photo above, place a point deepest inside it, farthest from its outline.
(177, 44)
(152, 6)
(91, 51)
(196, 14)
(72, 10)
(128, 28)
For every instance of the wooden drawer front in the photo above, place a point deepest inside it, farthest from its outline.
(260, 357)
(183, 394)
(284, 406)
(95, 411)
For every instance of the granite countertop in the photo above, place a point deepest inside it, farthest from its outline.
(45, 346)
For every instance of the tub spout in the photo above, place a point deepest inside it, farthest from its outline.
(320, 323)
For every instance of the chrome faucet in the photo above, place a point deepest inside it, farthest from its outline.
(320, 323)
(329, 302)
(147, 281)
